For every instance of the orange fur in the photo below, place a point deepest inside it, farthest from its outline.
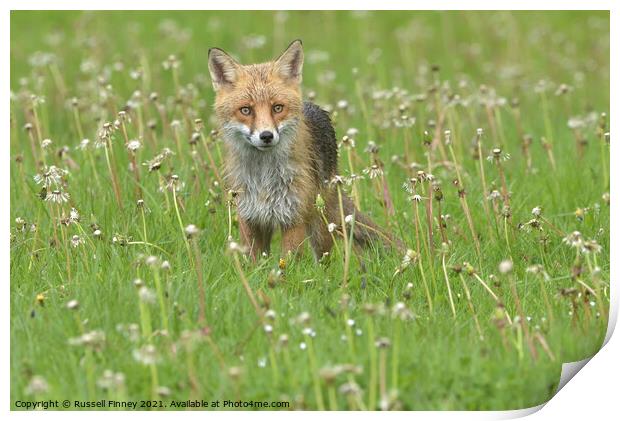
(278, 177)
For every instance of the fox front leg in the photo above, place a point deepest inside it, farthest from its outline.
(257, 239)
(292, 239)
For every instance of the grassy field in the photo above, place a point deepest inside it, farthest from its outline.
(110, 298)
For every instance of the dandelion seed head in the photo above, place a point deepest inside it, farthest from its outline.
(349, 388)
(94, 339)
(111, 380)
(575, 123)
(591, 246)
(505, 266)
(574, 239)
(401, 311)
(146, 295)
(133, 145)
(57, 196)
(494, 195)
(76, 241)
(234, 372)
(146, 355)
(84, 144)
(163, 391)
(191, 231)
(352, 132)
(152, 261)
(235, 247)
(303, 318)
(131, 331)
(37, 386)
(51, 176)
(74, 215)
(371, 147)
(383, 343)
(348, 141)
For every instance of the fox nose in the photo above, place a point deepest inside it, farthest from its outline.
(266, 136)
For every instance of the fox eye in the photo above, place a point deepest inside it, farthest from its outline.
(278, 108)
(245, 110)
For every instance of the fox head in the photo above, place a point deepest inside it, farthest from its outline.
(258, 105)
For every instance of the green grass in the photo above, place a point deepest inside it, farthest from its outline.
(441, 361)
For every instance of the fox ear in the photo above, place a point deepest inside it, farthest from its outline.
(290, 63)
(223, 68)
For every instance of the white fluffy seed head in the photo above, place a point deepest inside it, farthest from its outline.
(505, 266)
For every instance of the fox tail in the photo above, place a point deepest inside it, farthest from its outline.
(366, 232)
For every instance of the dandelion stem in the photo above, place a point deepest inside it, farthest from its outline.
(115, 184)
(526, 332)
(354, 192)
(383, 377)
(372, 382)
(162, 302)
(471, 306)
(428, 254)
(445, 274)
(429, 212)
(273, 362)
(333, 402)
(210, 157)
(426, 290)
(80, 131)
(547, 120)
(463, 200)
(181, 226)
(360, 96)
(318, 395)
(349, 332)
(201, 288)
(506, 236)
(345, 238)
(485, 190)
(395, 350)
(246, 286)
(143, 218)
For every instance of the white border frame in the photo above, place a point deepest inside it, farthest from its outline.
(582, 397)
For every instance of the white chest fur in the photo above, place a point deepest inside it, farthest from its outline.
(264, 179)
(266, 197)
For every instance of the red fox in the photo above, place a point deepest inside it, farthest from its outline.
(281, 153)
